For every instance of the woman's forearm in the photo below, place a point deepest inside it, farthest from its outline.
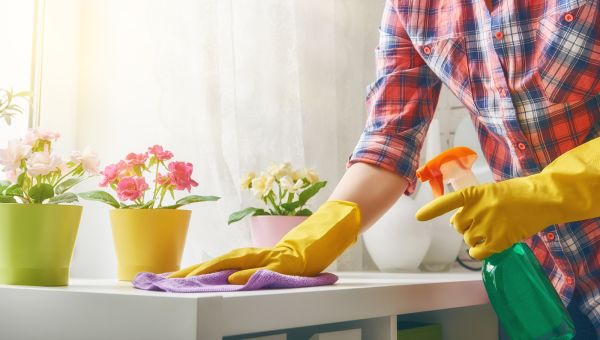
(374, 189)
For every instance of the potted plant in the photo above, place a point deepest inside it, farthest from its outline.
(38, 226)
(9, 104)
(149, 233)
(285, 193)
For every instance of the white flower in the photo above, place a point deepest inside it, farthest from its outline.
(297, 186)
(43, 163)
(268, 185)
(247, 181)
(288, 184)
(296, 175)
(33, 135)
(279, 170)
(12, 156)
(13, 175)
(311, 175)
(88, 159)
(261, 186)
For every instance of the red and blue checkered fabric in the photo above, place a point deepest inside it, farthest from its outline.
(528, 71)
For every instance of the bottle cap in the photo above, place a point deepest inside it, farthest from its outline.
(438, 173)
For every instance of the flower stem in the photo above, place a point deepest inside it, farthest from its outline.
(63, 177)
(156, 182)
(162, 196)
(272, 200)
(279, 189)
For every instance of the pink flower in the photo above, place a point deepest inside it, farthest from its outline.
(112, 172)
(88, 159)
(137, 158)
(163, 180)
(13, 175)
(160, 154)
(35, 135)
(131, 188)
(180, 174)
(12, 156)
(43, 163)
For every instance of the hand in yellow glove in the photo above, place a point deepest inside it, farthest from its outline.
(495, 216)
(304, 251)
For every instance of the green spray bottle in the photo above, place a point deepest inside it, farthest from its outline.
(522, 296)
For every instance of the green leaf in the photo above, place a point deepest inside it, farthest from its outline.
(78, 170)
(14, 108)
(303, 212)
(312, 190)
(22, 94)
(68, 184)
(291, 206)
(41, 192)
(131, 206)
(4, 185)
(67, 197)
(14, 190)
(196, 199)
(7, 199)
(191, 199)
(21, 179)
(100, 196)
(238, 215)
(148, 205)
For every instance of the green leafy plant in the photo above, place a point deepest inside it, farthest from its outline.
(283, 191)
(9, 104)
(37, 175)
(127, 179)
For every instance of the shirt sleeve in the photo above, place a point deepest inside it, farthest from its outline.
(400, 103)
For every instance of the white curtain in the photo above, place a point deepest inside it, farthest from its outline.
(16, 27)
(229, 85)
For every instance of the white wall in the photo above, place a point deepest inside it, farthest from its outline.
(229, 85)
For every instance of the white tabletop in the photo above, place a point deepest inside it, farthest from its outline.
(107, 302)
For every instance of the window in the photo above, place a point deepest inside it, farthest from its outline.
(17, 20)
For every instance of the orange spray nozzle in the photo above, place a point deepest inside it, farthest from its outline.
(433, 170)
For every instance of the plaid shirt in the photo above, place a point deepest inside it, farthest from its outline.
(528, 73)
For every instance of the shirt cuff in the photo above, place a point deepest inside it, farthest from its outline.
(386, 153)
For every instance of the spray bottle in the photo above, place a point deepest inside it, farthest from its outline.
(522, 296)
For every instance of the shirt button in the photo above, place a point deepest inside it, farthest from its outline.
(521, 146)
(427, 50)
(503, 93)
(499, 35)
(550, 236)
(569, 17)
(569, 280)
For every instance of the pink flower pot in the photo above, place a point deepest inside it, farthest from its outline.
(266, 231)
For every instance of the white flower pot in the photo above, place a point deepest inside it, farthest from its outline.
(444, 247)
(398, 242)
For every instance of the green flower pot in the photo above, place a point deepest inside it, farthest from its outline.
(36, 243)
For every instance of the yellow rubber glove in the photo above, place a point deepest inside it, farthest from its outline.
(304, 251)
(495, 216)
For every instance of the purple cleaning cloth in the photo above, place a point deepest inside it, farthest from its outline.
(217, 282)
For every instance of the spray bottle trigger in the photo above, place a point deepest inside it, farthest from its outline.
(437, 185)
